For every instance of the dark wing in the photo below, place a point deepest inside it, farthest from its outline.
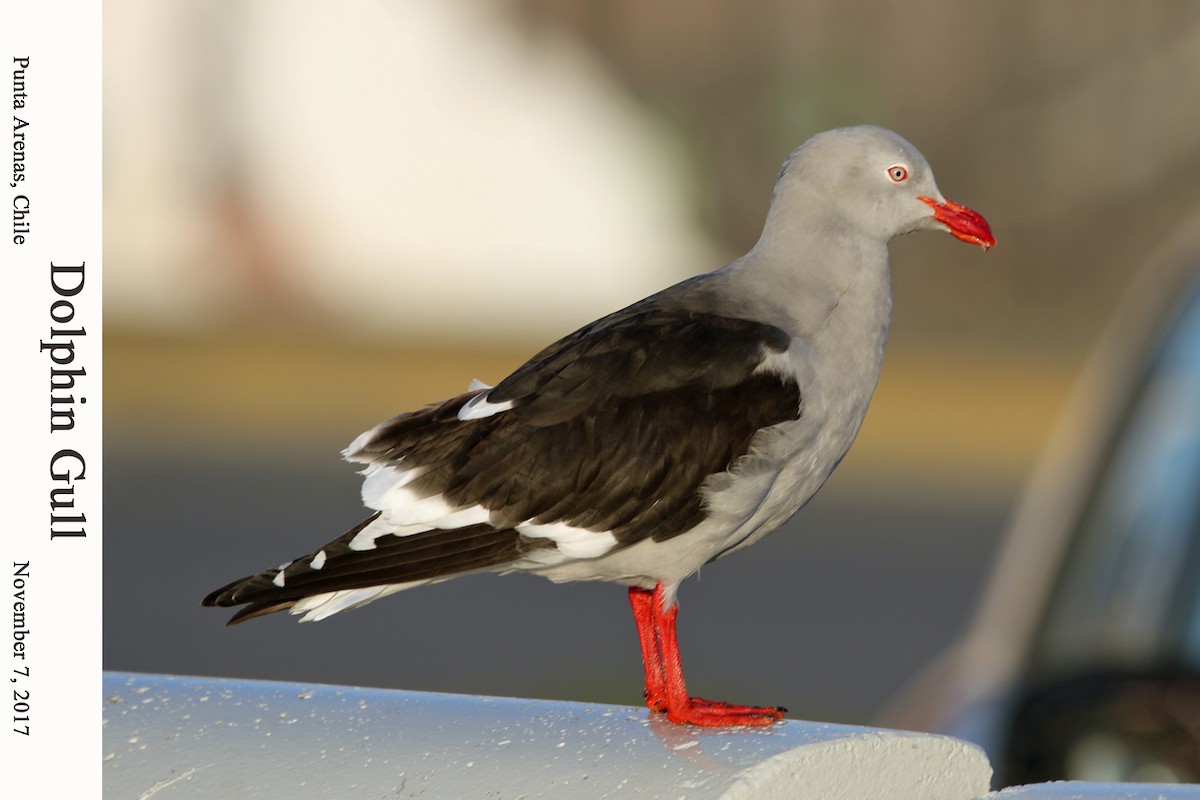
(613, 428)
(394, 560)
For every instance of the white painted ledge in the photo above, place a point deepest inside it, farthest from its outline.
(174, 738)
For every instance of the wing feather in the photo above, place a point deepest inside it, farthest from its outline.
(612, 430)
(644, 404)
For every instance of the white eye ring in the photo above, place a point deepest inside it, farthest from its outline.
(898, 173)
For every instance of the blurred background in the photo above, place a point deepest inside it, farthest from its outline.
(319, 215)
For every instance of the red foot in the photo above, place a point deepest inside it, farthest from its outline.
(713, 713)
(665, 689)
(659, 703)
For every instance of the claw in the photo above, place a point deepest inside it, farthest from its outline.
(665, 690)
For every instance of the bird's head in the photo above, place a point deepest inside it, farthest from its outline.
(880, 184)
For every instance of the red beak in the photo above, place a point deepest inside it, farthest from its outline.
(963, 223)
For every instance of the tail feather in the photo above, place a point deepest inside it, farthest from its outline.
(389, 561)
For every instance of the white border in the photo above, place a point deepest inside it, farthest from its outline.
(61, 756)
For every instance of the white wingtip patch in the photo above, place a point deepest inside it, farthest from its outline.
(318, 560)
(319, 606)
(365, 539)
(478, 407)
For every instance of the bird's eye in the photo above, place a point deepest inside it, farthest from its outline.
(898, 173)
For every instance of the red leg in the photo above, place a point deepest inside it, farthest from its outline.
(665, 688)
(642, 601)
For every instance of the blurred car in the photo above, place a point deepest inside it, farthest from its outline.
(1083, 660)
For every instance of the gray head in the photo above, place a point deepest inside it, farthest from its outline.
(877, 183)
